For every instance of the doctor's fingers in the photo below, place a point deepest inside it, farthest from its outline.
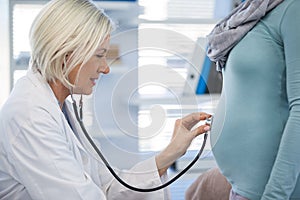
(192, 119)
(200, 130)
(180, 129)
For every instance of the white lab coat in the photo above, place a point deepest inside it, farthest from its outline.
(41, 158)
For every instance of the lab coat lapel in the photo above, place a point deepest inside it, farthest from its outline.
(37, 79)
(77, 129)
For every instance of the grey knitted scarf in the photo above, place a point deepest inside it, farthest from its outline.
(229, 31)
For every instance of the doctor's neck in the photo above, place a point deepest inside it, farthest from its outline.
(60, 92)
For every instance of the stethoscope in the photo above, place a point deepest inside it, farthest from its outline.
(79, 117)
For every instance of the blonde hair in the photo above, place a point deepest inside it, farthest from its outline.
(65, 34)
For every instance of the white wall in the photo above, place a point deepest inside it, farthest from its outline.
(4, 51)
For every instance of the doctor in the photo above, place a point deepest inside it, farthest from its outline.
(43, 153)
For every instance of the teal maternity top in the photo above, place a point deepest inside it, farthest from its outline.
(255, 134)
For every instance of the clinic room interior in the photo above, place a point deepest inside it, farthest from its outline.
(159, 72)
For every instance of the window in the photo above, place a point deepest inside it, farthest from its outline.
(23, 16)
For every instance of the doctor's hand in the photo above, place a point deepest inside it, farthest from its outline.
(182, 137)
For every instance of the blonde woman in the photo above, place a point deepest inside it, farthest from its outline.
(43, 153)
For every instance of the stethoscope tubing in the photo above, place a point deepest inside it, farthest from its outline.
(99, 153)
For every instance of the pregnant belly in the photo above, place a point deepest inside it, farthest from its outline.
(245, 145)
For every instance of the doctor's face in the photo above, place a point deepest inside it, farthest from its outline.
(90, 71)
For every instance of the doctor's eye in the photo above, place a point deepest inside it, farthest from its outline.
(100, 55)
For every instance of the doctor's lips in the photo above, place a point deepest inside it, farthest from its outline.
(94, 80)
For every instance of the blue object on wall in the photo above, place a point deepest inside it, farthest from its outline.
(202, 84)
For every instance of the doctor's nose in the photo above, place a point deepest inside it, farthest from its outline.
(104, 68)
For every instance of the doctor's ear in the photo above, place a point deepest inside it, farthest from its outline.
(66, 59)
(67, 56)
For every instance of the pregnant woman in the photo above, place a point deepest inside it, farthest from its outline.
(255, 134)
